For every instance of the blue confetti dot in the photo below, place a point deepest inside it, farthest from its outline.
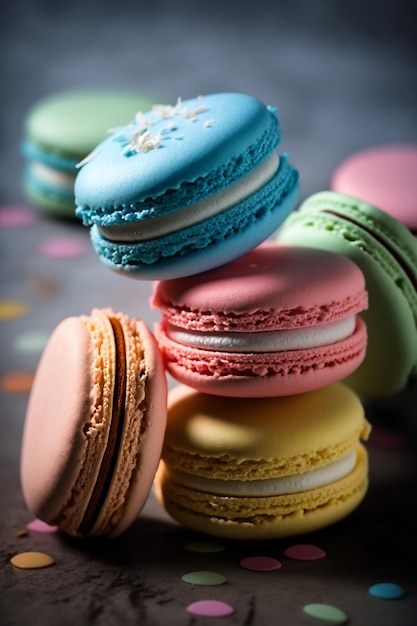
(387, 591)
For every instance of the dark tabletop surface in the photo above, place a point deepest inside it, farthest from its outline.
(343, 77)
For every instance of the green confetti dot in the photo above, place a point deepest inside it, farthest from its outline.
(204, 578)
(31, 342)
(326, 612)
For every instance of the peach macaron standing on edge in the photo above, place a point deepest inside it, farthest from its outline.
(95, 424)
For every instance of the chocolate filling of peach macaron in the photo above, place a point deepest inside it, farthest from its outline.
(109, 461)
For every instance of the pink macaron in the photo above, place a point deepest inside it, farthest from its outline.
(385, 176)
(278, 321)
(95, 424)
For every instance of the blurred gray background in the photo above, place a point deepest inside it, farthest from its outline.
(343, 77)
(342, 74)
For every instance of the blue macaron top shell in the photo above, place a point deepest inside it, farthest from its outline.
(174, 156)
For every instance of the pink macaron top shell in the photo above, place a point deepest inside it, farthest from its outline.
(273, 287)
(385, 176)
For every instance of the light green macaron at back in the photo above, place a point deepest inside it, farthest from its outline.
(61, 130)
(386, 252)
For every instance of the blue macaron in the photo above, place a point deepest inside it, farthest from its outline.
(188, 187)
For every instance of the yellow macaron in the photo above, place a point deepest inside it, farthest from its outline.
(263, 468)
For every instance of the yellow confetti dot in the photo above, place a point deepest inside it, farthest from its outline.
(10, 309)
(32, 560)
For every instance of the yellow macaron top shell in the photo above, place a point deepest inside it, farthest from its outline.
(212, 436)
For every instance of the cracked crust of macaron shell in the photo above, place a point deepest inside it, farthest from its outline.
(258, 320)
(215, 438)
(254, 293)
(267, 517)
(97, 427)
(263, 374)
(224, 466)
(386, 228)
(143, 430)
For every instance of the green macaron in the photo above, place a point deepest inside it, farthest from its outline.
(386, 252)
(60, 131)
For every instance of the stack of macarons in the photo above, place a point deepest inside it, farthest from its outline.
(263, 438)
(60, 131)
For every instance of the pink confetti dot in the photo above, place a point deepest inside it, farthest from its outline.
(304, 552)
(260, 563)
(210, 608)
(62, 248)
(16, 217)
(38, 526)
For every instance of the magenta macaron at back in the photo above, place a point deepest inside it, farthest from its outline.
(278, 321)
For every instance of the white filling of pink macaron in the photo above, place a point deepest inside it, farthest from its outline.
(194, 214)
(270, 341)
(284, 485)
(50, 176)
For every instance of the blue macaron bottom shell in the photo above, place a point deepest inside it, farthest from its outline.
(211, 243)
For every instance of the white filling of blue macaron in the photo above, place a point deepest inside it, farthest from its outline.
(52, 177)
(194, 214)
(270, 341)
(284, 485)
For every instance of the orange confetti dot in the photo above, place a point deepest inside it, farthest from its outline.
(17, 382)
(32, 560)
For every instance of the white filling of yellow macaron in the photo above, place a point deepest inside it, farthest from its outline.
(191, 215)
(297, 483)
(270, 341)
(50, 176)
